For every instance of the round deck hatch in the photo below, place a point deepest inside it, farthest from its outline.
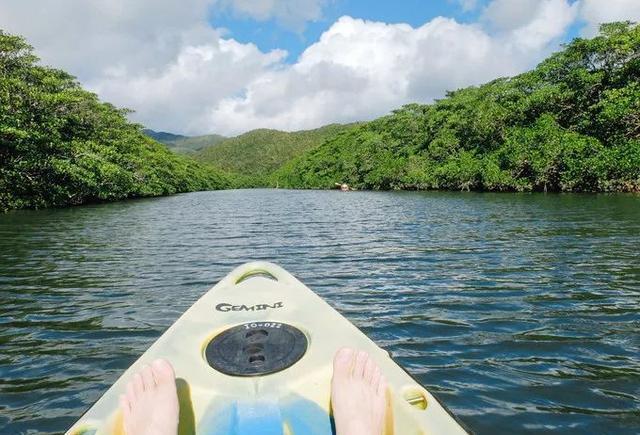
(256, 348)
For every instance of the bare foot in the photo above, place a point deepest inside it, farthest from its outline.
(150, 406)
(358, 394)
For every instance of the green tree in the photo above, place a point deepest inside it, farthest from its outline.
(60, 145)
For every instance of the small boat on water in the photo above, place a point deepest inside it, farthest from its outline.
(254, 356)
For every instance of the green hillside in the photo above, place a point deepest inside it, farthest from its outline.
(60, 145)
(572, 124)
(192, 145)
(163, 136)
(184, 144)
(258, 153)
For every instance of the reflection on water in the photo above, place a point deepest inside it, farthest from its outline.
(521, 312)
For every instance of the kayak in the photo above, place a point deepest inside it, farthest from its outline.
(254, 356)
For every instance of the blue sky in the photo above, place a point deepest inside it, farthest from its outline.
(271, 34)
(228, 66)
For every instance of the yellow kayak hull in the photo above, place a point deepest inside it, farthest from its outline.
(293, 400)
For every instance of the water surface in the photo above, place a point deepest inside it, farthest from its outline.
(520, 312)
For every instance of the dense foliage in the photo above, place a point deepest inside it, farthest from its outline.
(572, 124)
(255, 155)
(59, 145)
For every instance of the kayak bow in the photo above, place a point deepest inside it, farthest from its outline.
(254, 356)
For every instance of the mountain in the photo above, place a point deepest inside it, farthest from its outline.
(257, 153)
(192, 145)
(184, 144)
(60, 145)
(163, 136)
(571, 124)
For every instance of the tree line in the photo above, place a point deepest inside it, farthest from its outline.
(571, 124)
(60, 145)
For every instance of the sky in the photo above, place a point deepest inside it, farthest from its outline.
(228, 66)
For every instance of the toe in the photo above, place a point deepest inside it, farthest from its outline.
(147, 378)
(138, 385)
(369, 369)
(375, 378)
(131, 394)
(361, 361)
(382, 386)
(343, 362)
(163, 372)
(125, 406)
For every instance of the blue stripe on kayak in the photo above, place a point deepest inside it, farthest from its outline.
(267, 417)
(244, 418)
(260, 417)
(305, 417)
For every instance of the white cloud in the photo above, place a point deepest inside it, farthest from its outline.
(547, 22)
(361, 69)
(510, 14)
(164, 60)
(291, 13)
(176, 97)
(467, 5)
(596, 12)
(530, 24)
(89, 37)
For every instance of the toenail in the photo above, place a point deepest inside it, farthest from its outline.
(160, 362)
(345, 352)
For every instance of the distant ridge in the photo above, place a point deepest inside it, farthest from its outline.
(163, 136)
(184, 144)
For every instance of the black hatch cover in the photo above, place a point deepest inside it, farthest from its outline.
(256, 348)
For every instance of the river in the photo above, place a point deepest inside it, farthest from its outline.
(521, 312)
